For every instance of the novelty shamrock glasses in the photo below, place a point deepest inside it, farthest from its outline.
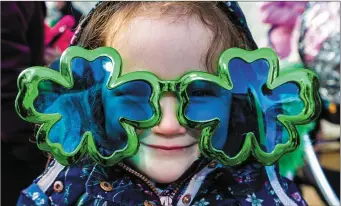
(84, 105)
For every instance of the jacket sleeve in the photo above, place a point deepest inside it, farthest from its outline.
(271, 193)
(254, 184)
(54, 186)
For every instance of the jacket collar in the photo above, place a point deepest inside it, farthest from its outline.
(121, 183)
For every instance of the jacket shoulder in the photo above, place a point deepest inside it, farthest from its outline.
(54, 186)
(248, 184)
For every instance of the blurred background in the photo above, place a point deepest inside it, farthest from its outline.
(303, 34)
(307, 35)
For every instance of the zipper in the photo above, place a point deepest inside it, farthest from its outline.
(150, 184)
(140, 176)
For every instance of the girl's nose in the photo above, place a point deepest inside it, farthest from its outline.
(169, 124)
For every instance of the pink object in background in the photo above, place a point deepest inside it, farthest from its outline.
(59, 36)
(283, 17)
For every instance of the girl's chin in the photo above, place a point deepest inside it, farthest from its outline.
(165, 175)
(160, 168)
(165, 171)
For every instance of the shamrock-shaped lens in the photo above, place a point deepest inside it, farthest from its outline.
(78, 106)
(208, 101)
(84, 105)
(128, 101)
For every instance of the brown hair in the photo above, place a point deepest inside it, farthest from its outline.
(109, 17)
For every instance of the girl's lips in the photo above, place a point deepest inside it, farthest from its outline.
(168, 147)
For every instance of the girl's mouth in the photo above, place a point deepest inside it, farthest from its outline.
(161, 147)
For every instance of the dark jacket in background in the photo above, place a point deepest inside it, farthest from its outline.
(22, 46)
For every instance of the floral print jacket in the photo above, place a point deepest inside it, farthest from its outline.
(205, 183)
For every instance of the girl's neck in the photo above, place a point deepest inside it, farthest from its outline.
(172, 187)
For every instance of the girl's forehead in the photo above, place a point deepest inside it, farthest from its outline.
(167, 46)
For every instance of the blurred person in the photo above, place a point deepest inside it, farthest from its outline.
(22, 46)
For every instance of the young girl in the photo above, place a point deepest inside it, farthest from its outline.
(169, 40)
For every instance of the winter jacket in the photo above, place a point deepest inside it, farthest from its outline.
(204, 183)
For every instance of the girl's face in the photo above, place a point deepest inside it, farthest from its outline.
(169, 47)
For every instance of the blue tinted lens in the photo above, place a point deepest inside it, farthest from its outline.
(208, 101)
(263, 106)
(129, 101)
(78, 105)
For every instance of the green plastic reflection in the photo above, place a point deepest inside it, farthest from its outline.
(29, 79)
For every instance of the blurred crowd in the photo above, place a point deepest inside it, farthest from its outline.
(303, 34)
(32, 34)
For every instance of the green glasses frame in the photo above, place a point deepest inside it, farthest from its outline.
(30, 78)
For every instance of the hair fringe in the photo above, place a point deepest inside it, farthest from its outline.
(109, 17)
